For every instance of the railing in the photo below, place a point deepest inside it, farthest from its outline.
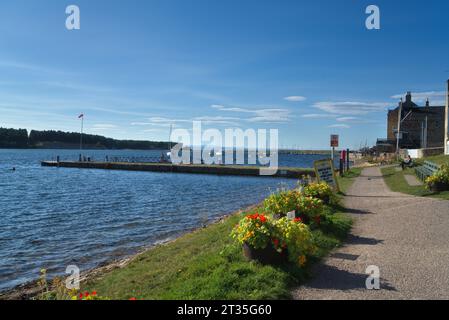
(132, 159)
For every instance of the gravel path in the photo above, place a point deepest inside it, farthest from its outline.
(406, 237)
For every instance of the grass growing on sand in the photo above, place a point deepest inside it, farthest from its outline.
(206, 264)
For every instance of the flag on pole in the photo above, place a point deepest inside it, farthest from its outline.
(81, 116)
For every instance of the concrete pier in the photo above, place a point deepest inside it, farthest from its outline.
(293, 173)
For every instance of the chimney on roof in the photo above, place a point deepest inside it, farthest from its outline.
(427, 103)
(408, 97)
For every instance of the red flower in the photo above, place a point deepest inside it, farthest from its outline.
(297, 220)
(86, 294)
(81, 295)
(94, 293)
(276, 242)
(257, 216)
(132, 299)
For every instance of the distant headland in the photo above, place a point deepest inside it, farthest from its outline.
(50, 139)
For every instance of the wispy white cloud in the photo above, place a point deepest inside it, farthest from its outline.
(356, 120)
(268, 115)
(152, 130)
(217, 120)
(103, 126)
(163, 120)
(351, 108)
(318, 116)
(76, 86)
(121, 112)
(436, 98)
(339, 126)
(295, 98)
(422, 95)
(28, 67)
(348, 119)
(167, 122)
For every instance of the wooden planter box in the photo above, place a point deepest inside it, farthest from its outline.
(265, 256)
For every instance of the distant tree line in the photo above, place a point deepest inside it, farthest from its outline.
(19, 138)
(13, 138)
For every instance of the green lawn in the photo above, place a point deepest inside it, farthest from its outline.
(206, 264)
(396, 182)
(441, 159)
(346, 181)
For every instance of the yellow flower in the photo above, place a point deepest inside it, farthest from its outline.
(302, 260)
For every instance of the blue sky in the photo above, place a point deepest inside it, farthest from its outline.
(136, 67)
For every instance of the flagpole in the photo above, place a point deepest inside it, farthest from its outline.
(81, 135)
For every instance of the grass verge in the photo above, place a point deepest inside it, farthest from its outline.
(207, 264)
(440, 159)
(347, 179)
(396, 182)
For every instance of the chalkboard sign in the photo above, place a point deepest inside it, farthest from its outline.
(325, 172)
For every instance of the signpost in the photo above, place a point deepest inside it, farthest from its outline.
(334, 143)
(325, 172)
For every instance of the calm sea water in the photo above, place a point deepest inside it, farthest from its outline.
(52, 218)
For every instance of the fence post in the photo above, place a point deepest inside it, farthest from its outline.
(347, 160)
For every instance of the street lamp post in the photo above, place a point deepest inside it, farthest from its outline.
(399, 129)
(446, 122)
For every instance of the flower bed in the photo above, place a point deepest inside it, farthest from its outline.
(320, 191)
(439, 181)
(282, 202)
(306, 207)
(269, 240)
(309, 209)
(272, 237)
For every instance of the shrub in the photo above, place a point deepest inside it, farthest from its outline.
(282, 202)
(296, 237)
(441, 176)
(259, 231)
(256, 230)
(308, 206)
(320, 191)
